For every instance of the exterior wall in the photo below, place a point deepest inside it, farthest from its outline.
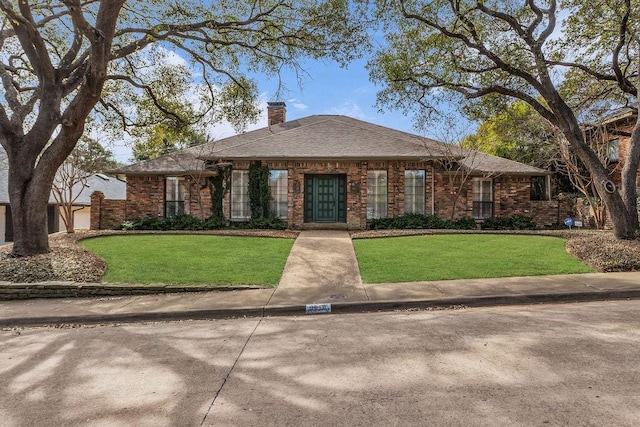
(106, 214)
(443, 190)
(3, 223)
(145, 196)
(511, 196)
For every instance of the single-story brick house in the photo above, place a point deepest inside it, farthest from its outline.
(335, 171)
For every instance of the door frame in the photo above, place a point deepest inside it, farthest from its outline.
(310, 202)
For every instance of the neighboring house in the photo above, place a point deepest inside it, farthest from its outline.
(336, 171)
(611, 138)
(111, 186)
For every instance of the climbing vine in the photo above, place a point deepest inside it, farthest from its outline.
(218, 188)
(259, 191)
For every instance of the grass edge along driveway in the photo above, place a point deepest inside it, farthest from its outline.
(191, 259)
(462, 256)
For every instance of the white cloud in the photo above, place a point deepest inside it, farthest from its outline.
(349, 108)
(297, 104)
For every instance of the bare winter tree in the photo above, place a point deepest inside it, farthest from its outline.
(88, 158)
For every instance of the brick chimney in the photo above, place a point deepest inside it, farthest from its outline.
(276, 112)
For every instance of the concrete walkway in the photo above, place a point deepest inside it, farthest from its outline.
(322, 267)
(322, 272)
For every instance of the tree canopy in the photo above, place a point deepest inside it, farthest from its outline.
(482, 55)
(64, 60)
(517, 133)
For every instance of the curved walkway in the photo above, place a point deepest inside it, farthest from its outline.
(321, 275)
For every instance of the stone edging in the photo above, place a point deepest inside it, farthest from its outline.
(14, 291)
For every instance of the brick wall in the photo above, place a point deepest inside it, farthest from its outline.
(145, 196)
(106, 214)
(443, 189)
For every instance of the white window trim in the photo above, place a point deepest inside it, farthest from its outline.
(245, 215)
(371, 213)
(276, 190)
(175, 184)
(422, 209)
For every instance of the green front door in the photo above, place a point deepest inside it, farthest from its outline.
(325, 198)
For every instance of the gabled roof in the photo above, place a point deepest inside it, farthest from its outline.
(322, 137)
(327, 138)
(314, 137)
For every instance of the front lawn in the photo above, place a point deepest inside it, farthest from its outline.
(462, 256)
(192, 259)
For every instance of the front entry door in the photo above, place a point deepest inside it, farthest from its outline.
(325, 198)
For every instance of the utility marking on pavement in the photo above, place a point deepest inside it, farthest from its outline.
(318, 308)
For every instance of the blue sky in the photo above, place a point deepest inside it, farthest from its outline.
(326, 88)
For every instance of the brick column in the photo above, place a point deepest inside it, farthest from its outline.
(97, 197)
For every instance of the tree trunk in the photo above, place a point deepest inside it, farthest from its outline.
(623, 219)
(29, 214)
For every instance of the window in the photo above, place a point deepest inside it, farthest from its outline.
(174, 196)
(279, 193)
(482, 198)
(540, 188)
(414, 191)
(376, 194)
(613, 150)
(240, 210)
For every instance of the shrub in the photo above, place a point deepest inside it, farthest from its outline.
(421, 221)
(188, 222)
(270, 222)
(515, 222)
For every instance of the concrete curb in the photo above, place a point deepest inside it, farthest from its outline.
(336, 308)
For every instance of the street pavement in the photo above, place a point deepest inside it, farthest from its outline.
(322, 276)
(549, 364)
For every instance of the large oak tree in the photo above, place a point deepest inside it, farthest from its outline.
(569, 60)
(64, 60)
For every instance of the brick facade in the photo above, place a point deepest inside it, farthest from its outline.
(106, 214)
(443, 189)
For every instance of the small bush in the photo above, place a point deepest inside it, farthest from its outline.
(270, 223)
(515, 222)
(412, 221)
(188, 222)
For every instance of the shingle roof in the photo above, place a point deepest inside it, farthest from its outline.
(320, 137)
(112, 187)
(492, 165)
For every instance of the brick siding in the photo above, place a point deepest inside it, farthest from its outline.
(145, 194)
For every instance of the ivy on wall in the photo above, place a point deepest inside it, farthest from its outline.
(259, 191)
(218, 185)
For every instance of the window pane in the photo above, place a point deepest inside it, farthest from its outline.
(376, 194)
(240, 195)
(414, 197)
(482, 198)
(174, 196)
(539, 188)
(613, 150)
(279, 193)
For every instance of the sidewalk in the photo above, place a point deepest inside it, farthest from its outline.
(321, 276)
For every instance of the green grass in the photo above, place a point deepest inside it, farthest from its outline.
(443, 257)
(192, 259)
